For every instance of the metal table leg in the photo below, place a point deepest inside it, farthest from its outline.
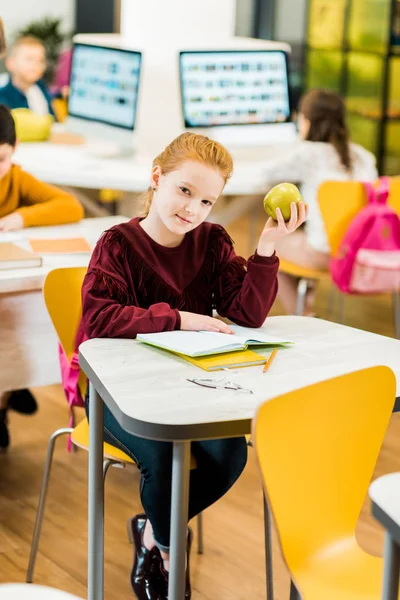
(96, 497)
(391, 569)
(179, 518)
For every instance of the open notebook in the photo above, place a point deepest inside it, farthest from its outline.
(206, 343)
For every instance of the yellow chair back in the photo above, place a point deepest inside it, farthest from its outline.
(317, 448)
(62, 296)
(340, 201)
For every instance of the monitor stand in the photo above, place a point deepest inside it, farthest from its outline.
(102, 140)
(248, 136)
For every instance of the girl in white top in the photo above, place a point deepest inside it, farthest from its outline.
(324, 154)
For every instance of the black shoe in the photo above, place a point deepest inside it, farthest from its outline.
(143, 575)
(4, 435)
(22, 401)
(163, 574)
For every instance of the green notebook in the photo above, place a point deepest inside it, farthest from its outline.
(205, 343)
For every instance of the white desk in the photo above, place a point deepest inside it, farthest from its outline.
(385, 496)
(148, 392)
(69, 165)
(28, 343)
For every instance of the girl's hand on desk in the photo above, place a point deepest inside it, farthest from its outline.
(194, 322)
(275, 230)
(12, 222)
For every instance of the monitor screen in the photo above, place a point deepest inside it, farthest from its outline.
(104, 85)
(234, 87)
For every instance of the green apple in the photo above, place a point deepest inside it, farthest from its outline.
(281, 196)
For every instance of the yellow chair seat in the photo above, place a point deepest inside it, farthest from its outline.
(341, 571)
(80, 437)
(302, 272)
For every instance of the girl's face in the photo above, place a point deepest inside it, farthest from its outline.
(184, 197)
(303, 126)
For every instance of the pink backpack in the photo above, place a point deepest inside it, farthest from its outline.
(70, 372)
(368, 261)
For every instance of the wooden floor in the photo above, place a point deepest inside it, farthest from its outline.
(233, 564)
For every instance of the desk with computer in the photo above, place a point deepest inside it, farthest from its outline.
(237, 94)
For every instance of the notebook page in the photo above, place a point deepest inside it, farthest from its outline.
(190, 343)
(248, 335)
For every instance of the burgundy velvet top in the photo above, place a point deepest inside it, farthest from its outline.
(135, 285)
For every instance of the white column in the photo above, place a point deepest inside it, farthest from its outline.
(168, 22)
(160, 29)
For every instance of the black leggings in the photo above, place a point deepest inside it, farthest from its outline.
(219, 465)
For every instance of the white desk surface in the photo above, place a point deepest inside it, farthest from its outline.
(71, 165)
(15, 280)
(147, 391)
(29, 591)
(385, 495)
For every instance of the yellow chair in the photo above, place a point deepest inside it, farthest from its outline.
(339, 202)
(316, 449)
(62, 295)
(60, 107)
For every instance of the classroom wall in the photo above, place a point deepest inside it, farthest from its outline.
(17, 15)
(290, 21)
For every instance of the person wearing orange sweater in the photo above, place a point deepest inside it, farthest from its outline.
(26, 202)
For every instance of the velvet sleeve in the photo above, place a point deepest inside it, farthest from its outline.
(109, 304)
(245, 290)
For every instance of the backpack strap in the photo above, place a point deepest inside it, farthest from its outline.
(377, 194)
(70, 372)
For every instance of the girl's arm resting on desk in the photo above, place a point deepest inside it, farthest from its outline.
(245, 291)
(104, 316)
(44, 204)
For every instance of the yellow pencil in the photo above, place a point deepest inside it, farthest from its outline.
(270, 359)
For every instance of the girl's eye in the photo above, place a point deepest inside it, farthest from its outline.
(185, 190)
(206, 203)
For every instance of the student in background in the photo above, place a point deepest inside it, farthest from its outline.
(26, 63)
(325, 153)
(168, 271)
(25, 202)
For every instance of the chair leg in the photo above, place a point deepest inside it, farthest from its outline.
(106, 464)
(42, 500)
(200, 539)
(331, 303)
(268, 551)
(294, 594)
(396, 313)
(301, 296)
(341, 308)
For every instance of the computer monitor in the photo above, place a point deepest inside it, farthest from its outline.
(235, 87)
(104, 87)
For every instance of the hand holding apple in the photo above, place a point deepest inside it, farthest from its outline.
(276, 228)
(281, 196)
